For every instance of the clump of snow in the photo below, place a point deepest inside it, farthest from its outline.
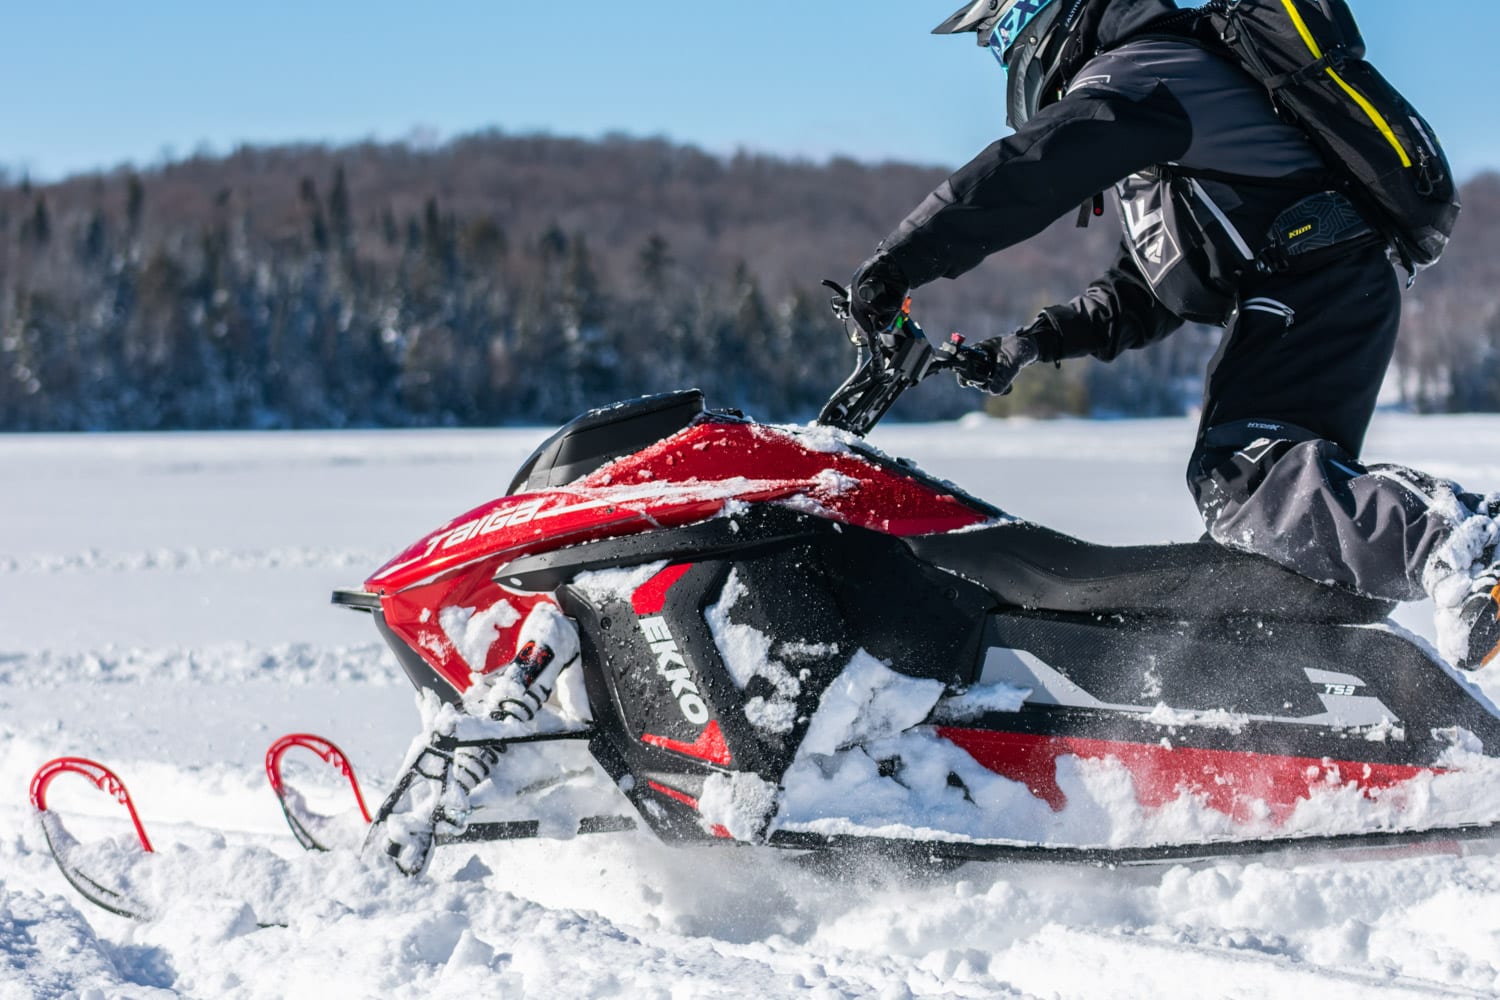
(1459, 739)
(733, 509)
(616, 584)
(867, 766)
(747, 654)
(868, 701)
(740, 802)
(547, 703)
(982, 525)
(1455, 567)
(1217, 718)
(669, 491)
(1386, 731)
(805, 504)
(834, 482)
(824, 439)
(473, 634)
(801, 652)
(981, 699)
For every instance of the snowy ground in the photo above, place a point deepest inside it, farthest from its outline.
(163, 607)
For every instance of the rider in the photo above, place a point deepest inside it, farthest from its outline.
(1107, 93)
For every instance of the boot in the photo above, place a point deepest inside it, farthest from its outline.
(1463, 577)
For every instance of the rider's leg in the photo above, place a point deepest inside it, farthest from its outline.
(1288, 398)
(1311, 506)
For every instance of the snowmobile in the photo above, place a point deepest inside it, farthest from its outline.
(779, 635)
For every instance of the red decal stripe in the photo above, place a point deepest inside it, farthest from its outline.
(1231, 781)
(717, 830)
(709, 746)
(673, 793)
(651, 596)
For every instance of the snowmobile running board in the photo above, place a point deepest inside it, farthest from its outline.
(530, 829)
(1442, 840)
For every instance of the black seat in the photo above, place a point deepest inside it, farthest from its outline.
(603, 435)
(1029, 566)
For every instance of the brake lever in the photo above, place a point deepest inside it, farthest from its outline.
(839, 303)
(972, 366)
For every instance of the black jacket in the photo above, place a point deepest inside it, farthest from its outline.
(1193, 148)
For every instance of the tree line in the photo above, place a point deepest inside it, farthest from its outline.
(505, 279)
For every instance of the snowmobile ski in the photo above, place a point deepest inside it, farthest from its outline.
(1388, 844)
(308, 828)
(62, 844)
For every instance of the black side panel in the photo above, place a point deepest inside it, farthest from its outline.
(599, 436)
(717, 538)
(1284, 681)
(812, 594)
(921, 620)
(1028, 566)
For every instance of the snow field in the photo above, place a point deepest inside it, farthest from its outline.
(164, 609)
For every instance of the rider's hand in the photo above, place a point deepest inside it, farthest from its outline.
(1006, 356)
(876, 293)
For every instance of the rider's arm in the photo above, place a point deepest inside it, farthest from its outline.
(1110, 126)
(1118, 312)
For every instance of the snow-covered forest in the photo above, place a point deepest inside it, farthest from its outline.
(523, 278)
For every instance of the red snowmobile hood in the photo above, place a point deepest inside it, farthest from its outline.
(684, 478)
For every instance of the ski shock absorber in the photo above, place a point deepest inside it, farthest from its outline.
(531, 662)
(473, 764)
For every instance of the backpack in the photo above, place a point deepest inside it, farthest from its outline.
(1309, 54)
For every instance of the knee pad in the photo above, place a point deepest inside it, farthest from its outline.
(1232, 461)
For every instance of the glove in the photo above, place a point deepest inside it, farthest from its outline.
(1006, 357)
(876, 293)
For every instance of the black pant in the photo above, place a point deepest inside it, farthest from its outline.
(1288, 398)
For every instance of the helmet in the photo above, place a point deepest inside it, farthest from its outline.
(1040, 43)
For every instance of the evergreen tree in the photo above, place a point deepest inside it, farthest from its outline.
(135, 206)
(340, 215)
(38, 227)
(654, 263)
(307, 193)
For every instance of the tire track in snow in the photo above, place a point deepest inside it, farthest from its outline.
(219, 663)
(1078, 961)
(192, 559)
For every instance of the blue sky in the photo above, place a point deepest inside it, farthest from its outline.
(91, 84)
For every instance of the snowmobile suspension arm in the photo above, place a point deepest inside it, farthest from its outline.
(529, 828)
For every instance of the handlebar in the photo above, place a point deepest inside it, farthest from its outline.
(886, 365)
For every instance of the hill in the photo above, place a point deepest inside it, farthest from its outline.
(504, 278)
